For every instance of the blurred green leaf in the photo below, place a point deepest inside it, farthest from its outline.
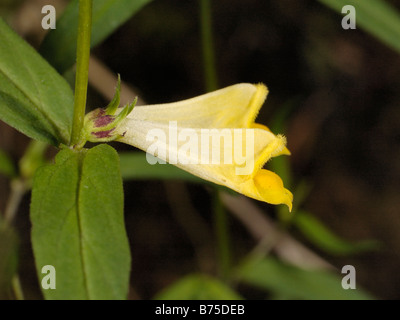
(33, 158)
(377, 17)
(281, 279)
(301, 192)
(134, 165)
(198, 287)
(78, 226)
(34, 98)
(325, 239)
(7, 167)
(59, 46)
(9, 257)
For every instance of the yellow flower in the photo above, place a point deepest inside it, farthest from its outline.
(189, 134)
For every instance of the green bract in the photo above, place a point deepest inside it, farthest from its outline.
(100, 124)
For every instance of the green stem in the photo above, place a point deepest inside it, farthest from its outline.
(207, 46)
(220, 215)
(17, 288)
(82, 68)
(222, 234)
(18, 189)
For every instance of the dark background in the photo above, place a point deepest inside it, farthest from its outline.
(342, 90)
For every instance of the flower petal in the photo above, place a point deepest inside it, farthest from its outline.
(232, 157)
(285, 150)
(235, 106)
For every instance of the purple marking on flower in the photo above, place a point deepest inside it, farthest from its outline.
(103, 134)
(103, 121)
(100, 112)
(96, 113)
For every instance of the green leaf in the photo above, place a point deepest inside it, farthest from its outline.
(59, 46)
(325, 239)
(286, 280)
(375, 16)
(7, 167)
(135, 166)
(34, 98)
(198, 287)
(78, 225)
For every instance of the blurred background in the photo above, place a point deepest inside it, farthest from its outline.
(333, 92)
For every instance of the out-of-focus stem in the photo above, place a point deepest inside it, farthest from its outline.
(210, 73)
(222, 234)
(221, 224)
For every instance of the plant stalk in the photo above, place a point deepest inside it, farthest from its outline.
(221, 221)
(82, 68)
(210, 73)
(223, 237)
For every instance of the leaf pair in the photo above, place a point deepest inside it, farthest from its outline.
(34, 98)
(77, 203)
